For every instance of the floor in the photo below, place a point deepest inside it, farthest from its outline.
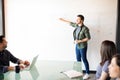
(92, 76)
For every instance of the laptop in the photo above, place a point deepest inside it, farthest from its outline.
(32, 63)
(29, 68)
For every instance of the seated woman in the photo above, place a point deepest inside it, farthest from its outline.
(114, 67)
(108, 49)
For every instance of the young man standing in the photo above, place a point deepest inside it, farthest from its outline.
(81, 36)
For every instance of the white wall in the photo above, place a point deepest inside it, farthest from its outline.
(33, 27)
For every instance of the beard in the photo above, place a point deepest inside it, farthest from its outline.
(4, 47)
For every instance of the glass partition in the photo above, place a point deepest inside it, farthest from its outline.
(2, 18)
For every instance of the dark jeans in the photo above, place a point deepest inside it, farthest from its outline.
(82, 54)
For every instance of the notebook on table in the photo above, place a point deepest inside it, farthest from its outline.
(72, 73)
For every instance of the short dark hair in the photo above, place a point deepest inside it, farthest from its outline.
(81, 16)
(117, 57)
(108, 49)
(1, 38)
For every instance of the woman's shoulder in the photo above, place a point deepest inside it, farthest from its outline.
(105, 66)
(106, 62)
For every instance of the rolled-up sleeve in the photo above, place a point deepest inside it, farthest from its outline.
(73, 24)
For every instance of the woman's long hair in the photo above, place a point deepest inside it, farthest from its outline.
(108, 49)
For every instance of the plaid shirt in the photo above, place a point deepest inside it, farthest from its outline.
(84, 33)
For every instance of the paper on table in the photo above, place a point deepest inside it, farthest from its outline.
(73, 73)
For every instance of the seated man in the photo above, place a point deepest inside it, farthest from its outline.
(6, 57)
